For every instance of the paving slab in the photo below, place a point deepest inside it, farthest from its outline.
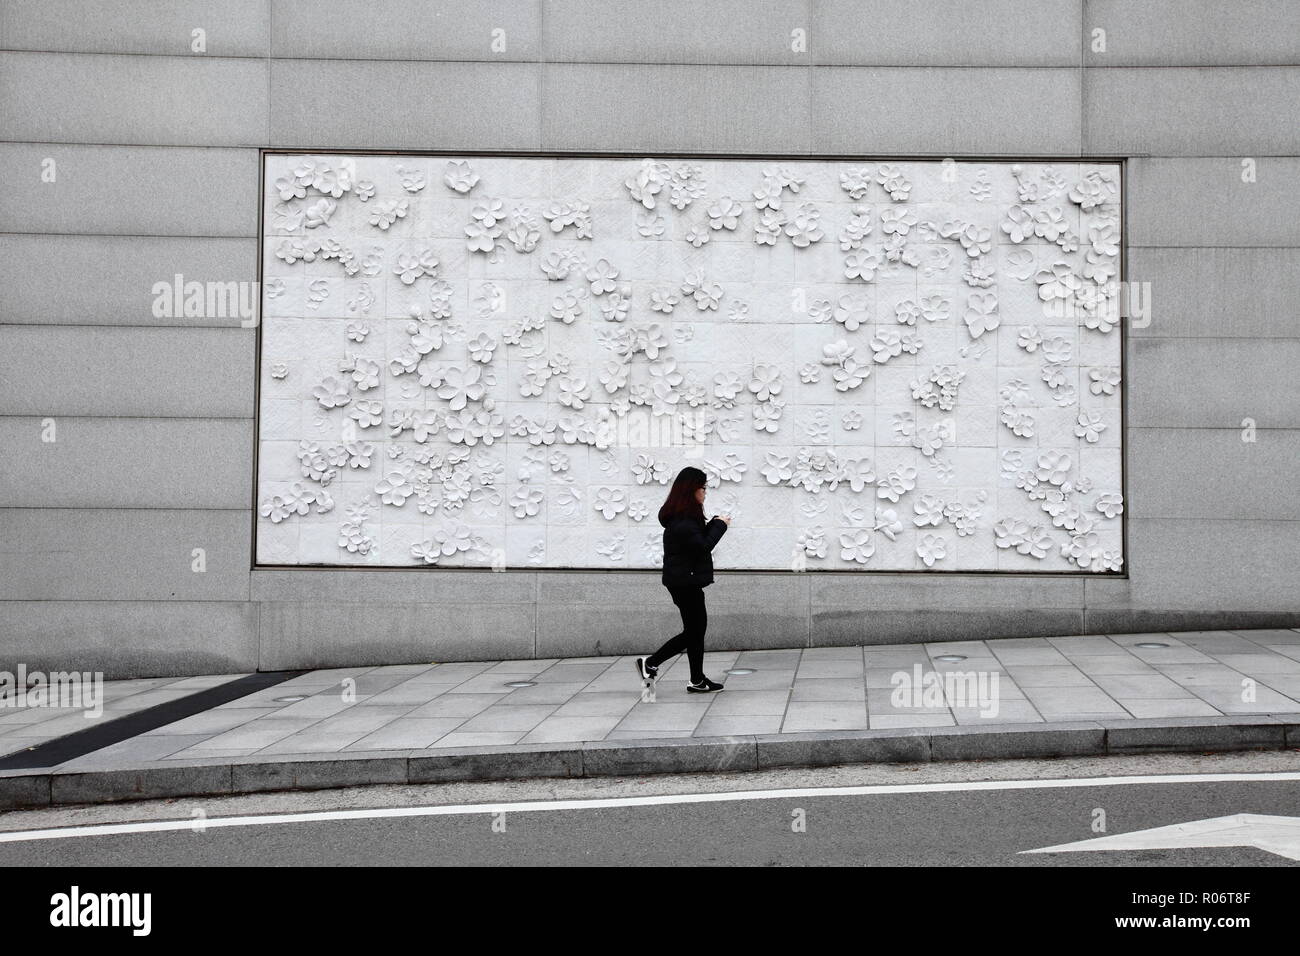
(407, 733)
(1168, 707)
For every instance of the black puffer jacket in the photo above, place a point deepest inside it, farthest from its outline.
(688, 546)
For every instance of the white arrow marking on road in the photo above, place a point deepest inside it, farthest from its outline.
(1280, 835)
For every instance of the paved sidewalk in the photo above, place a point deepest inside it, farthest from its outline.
(460, 705)
(23, 727)
(584, 717)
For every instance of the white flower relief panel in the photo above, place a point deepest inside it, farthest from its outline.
(503, 362)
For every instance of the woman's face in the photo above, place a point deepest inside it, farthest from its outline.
(699, 495)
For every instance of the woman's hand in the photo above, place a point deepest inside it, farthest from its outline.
(725, 519)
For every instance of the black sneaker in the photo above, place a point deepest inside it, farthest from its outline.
(644, 670)
(705, 686)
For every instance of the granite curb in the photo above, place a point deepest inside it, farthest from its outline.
(231, 775)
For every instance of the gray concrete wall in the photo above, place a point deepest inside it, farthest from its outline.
(157, 173)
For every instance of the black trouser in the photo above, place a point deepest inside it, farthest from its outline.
(695, 619)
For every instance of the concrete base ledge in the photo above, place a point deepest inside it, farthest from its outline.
(195, 778)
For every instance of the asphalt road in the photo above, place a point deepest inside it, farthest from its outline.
(948, 825)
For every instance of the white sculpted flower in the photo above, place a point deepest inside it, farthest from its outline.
(645, 469)
(412, 180)
(1089, 426)
(812, 542)
(410, 267)
(896, 222)
(573, 391)
(452, 539)
(898, 483)
(1050, 223)
(804, 227)
(766, 382)
(767, 415)
(934, 308)
(931, 548)
(1010, 533)
(332, 180)
(731, 468)
(1104, 239)
(647, 182)
(907, 312)
(1104, 380)
(981, 313)
(1111, 504)
(663, 300)
(649, 225)
(616, 305)
(1054, 467)
(895, 183)
(367, 414)
(614, 375)
(609, 501)
(727, 386)
(319, 213)
(859, 473)
(928, 510)
(768, 194)
(1029, 338)
(707, 294)
(481, 348)
(849, 375)
(697, 236)
(426, 425)
(290, 188)
(470, 428)
(426, 551)
(851, 311)
(386, 213)
(459, 177)
(861, 264)
(777, 469)
(650, 339)
(768, 228)
(480, 237)
(1019, 224)
(857, 545)
(1058, 349)
(602, 277)
(275, 508)
(724, 214)
(394, 488)
(886, 344)
(1058, 282)
(887, 523)
(526, 502)
(568, 305)
(460, 385)
(331, 393)
(365, 373)
(854, 234)
(1093, 190)
(856, 182)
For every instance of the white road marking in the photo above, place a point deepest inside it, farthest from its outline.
(1280, 835)
(326, 816)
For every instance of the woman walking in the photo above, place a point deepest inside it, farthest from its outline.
(688, 570)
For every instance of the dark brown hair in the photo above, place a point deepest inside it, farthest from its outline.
(681, 497)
